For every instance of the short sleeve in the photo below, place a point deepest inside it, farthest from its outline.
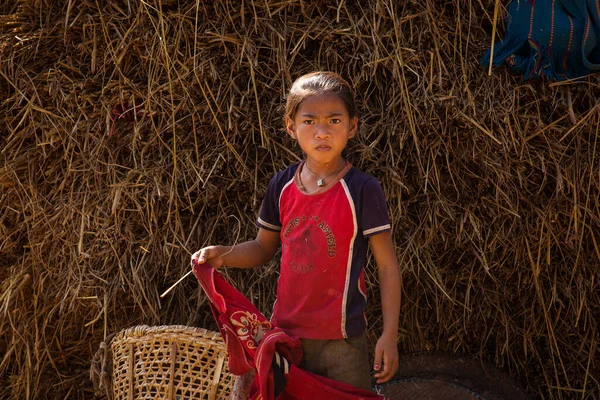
(374, 218)
(269, 211)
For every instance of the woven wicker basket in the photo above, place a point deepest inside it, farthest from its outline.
(162, 362)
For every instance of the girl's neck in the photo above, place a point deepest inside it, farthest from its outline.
(312, 180)
(322, 170)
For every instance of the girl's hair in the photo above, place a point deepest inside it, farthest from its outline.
(319, 83)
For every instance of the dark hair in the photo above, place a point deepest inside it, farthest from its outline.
(319, 83)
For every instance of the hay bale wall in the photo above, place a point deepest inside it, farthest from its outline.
(134, 133)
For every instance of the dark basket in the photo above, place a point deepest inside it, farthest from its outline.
(449, 377)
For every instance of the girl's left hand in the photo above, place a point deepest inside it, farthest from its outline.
(386, 352)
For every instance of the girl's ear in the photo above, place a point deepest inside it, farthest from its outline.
(290, 127)
(353, 127)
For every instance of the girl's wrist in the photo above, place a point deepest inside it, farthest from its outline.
(223, 251)
(390, 333)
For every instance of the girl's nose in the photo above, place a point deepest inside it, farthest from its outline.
(322, 131)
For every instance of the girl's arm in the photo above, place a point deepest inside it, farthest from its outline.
(250, 254)
(386, 350)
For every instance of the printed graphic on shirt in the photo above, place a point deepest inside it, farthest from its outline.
(322, 225)
(330, 238)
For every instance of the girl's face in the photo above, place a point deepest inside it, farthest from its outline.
(322, 127)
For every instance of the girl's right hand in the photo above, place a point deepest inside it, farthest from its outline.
(212, 254)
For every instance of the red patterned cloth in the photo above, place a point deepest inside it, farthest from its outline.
(252, 343)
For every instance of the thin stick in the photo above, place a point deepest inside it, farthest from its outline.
(493, 35)
(177, 283)
(235, 243)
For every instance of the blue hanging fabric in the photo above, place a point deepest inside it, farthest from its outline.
(559, 39)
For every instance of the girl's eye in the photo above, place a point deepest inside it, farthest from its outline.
(336, 121)
(309, 122)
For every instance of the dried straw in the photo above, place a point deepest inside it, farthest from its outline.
(130, 130)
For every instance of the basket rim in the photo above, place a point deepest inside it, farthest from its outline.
(143, 331)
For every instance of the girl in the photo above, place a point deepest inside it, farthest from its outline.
(325, 214)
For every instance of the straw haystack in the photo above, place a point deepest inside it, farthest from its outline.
(134, 133)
